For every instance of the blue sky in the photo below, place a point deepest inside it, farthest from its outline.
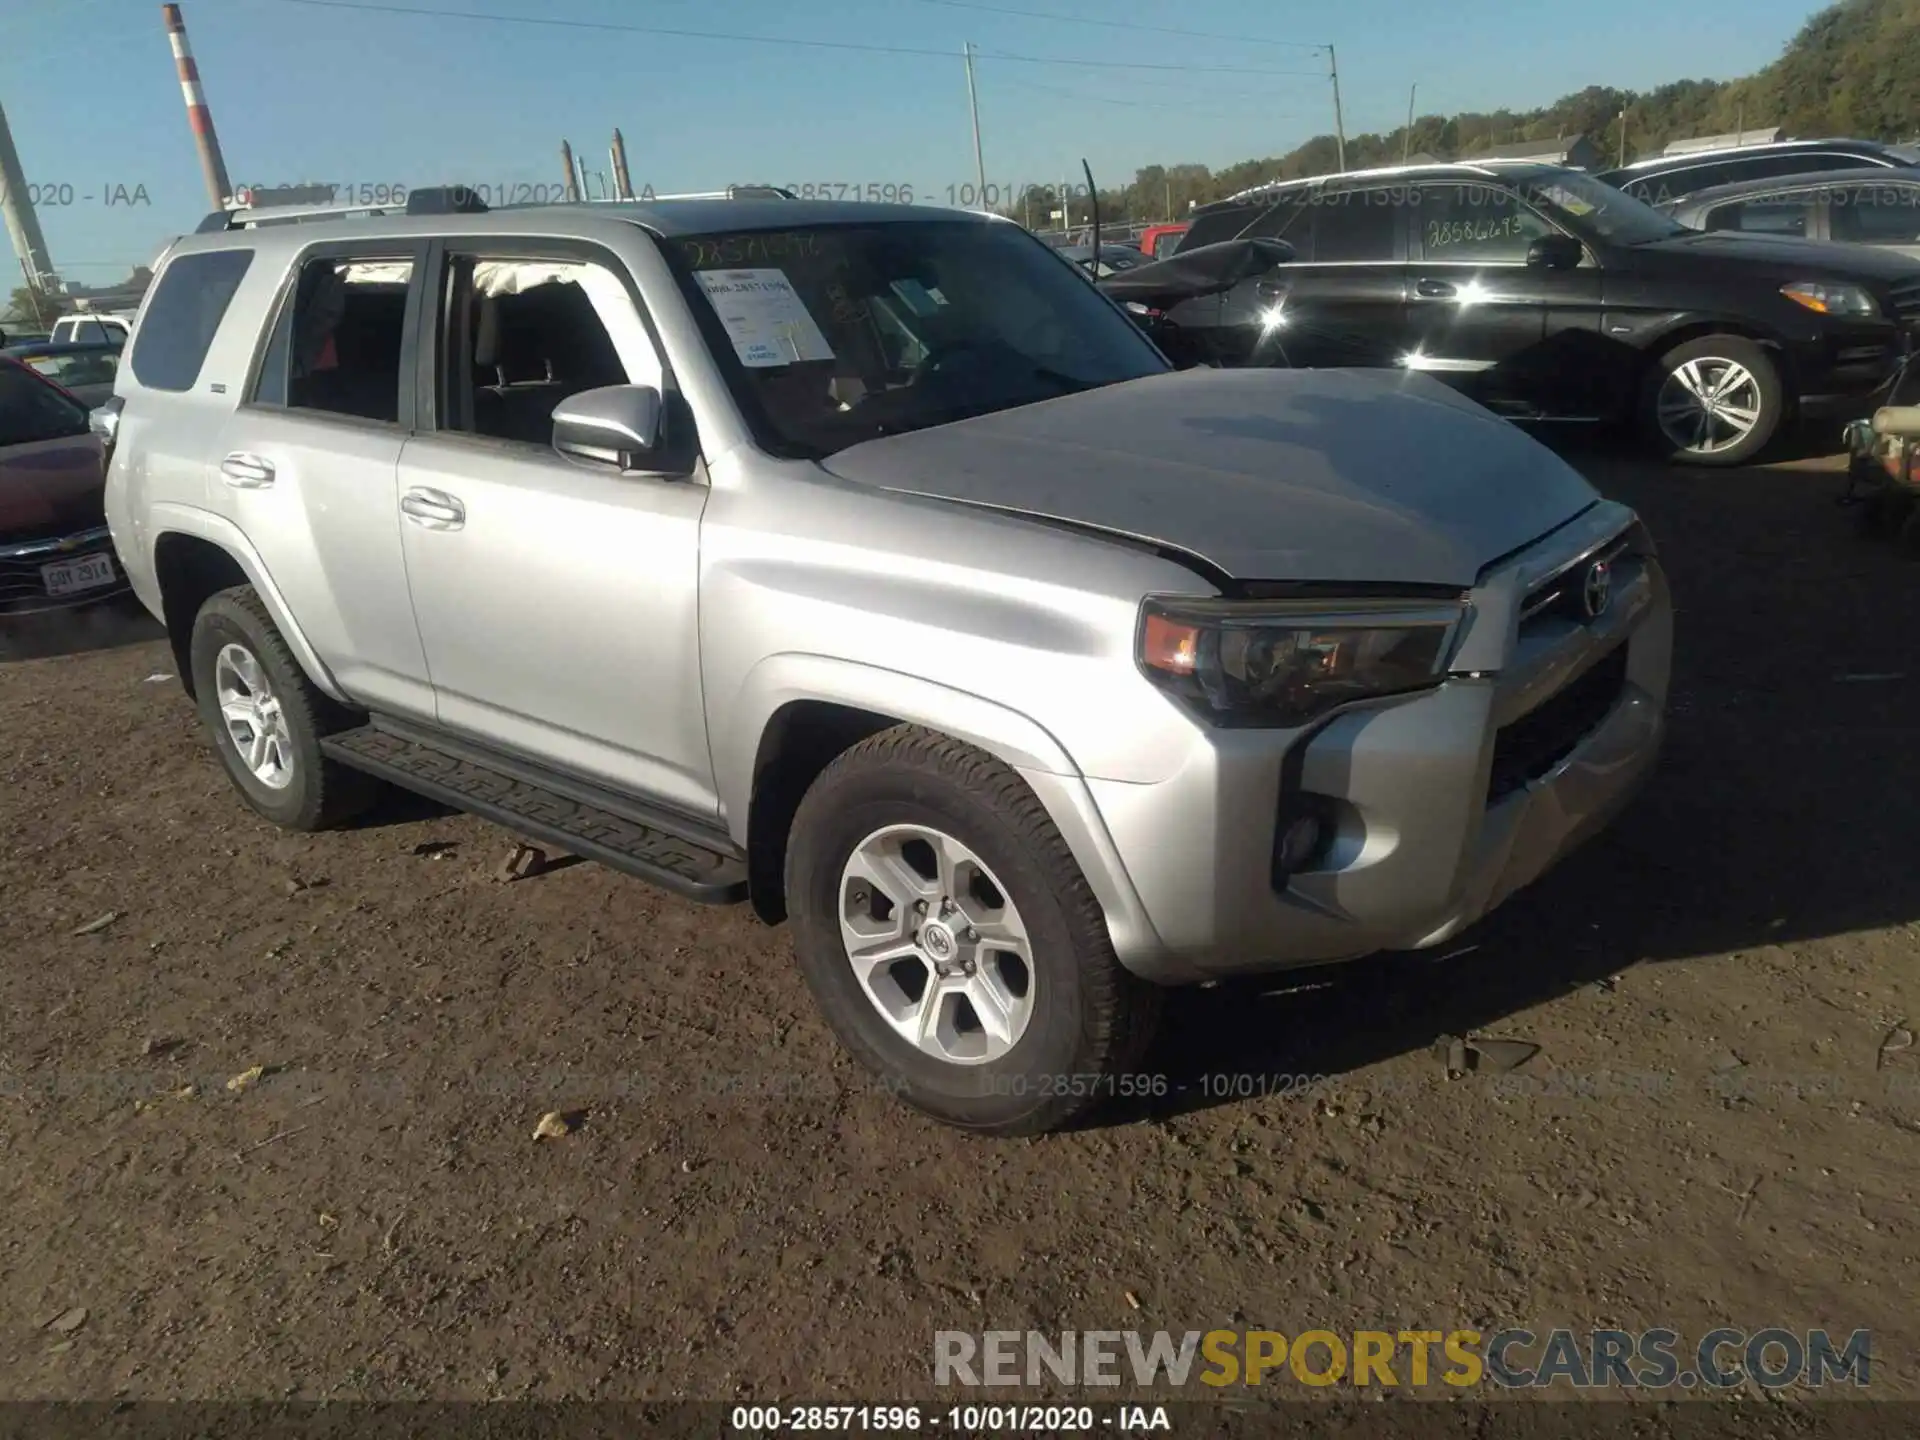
(300, 91)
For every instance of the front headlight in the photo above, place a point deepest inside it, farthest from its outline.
(1283, 664)
(1830, 299)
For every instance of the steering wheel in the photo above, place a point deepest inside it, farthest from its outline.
(939, 359)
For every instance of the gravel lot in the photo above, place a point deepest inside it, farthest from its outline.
(1721, 1126)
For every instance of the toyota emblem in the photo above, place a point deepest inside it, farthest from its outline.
(1597, 593)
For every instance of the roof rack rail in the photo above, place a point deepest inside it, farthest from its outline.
(300, 205)
(732, 192)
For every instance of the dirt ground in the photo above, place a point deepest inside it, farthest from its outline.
(1721, 1127)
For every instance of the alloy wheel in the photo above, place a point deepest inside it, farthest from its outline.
(253, 717)
(937, 944)
(1708, 404)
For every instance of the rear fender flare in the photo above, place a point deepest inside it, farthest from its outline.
(171, 518)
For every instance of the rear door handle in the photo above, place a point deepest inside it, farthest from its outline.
(1435, 289)
(433, 509)
(246, 472)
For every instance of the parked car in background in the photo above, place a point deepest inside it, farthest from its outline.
(84, 371)
(1549, 296)
(92, 329)
(1858, 207)
(1664, 179)
(1160, 241)
(54, 546)
(1114, 258)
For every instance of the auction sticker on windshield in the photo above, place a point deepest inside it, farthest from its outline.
(765, 317)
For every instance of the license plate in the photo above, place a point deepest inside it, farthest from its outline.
(88, 572)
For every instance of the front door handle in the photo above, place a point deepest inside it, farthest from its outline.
(433, 509)
(246, 472)
(1271, 289)
(1435, 289)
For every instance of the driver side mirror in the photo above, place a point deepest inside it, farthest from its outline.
(613, 425)
(1555, 252)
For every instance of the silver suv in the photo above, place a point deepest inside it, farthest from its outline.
(864, 562)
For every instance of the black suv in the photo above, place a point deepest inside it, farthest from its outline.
(1664, 179)
(1547, 295)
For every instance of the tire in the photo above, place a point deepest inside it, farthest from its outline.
(1088, 1020)
(1708, 357)
(313, 793)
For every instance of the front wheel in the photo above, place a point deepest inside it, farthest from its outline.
(952, 942)
(1713, 401)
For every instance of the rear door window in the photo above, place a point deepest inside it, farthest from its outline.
(1875, 214)
(1789, 215)
(338, 343)
(1355, 227)
(186, 310)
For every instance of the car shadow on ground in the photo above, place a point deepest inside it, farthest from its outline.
(101, 625)
(1782, 810)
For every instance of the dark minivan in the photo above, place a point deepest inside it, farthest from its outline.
(1548, 296)
(1664, 179)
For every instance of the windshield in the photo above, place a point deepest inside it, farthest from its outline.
(1596, 210)
(836, 334)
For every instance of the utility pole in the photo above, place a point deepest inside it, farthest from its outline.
(23, 226)
(1741, 124)
(1623, 137)
(973, 104)
(1169, 202)
(1406, 148)
(1339, 125)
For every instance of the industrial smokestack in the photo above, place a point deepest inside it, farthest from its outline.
(23, 226)
(573, 175)
(198, 116)
(622, 182)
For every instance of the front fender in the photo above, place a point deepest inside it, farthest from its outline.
(780, 680)
(171, 518)
(1006, 734)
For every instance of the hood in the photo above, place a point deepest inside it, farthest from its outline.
(1354, 476)
(1785, 256)
(51, 487)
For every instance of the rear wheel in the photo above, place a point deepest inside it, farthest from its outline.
(952, 942)
(266, 717)
(1713, 401)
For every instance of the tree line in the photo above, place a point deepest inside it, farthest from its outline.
(1851, 70)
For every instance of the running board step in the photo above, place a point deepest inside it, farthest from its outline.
(670, 861)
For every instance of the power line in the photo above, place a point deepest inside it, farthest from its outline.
(1118, 24)
(1185, 109)
(626, 29)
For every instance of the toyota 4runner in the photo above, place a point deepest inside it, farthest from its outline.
(865, 563)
